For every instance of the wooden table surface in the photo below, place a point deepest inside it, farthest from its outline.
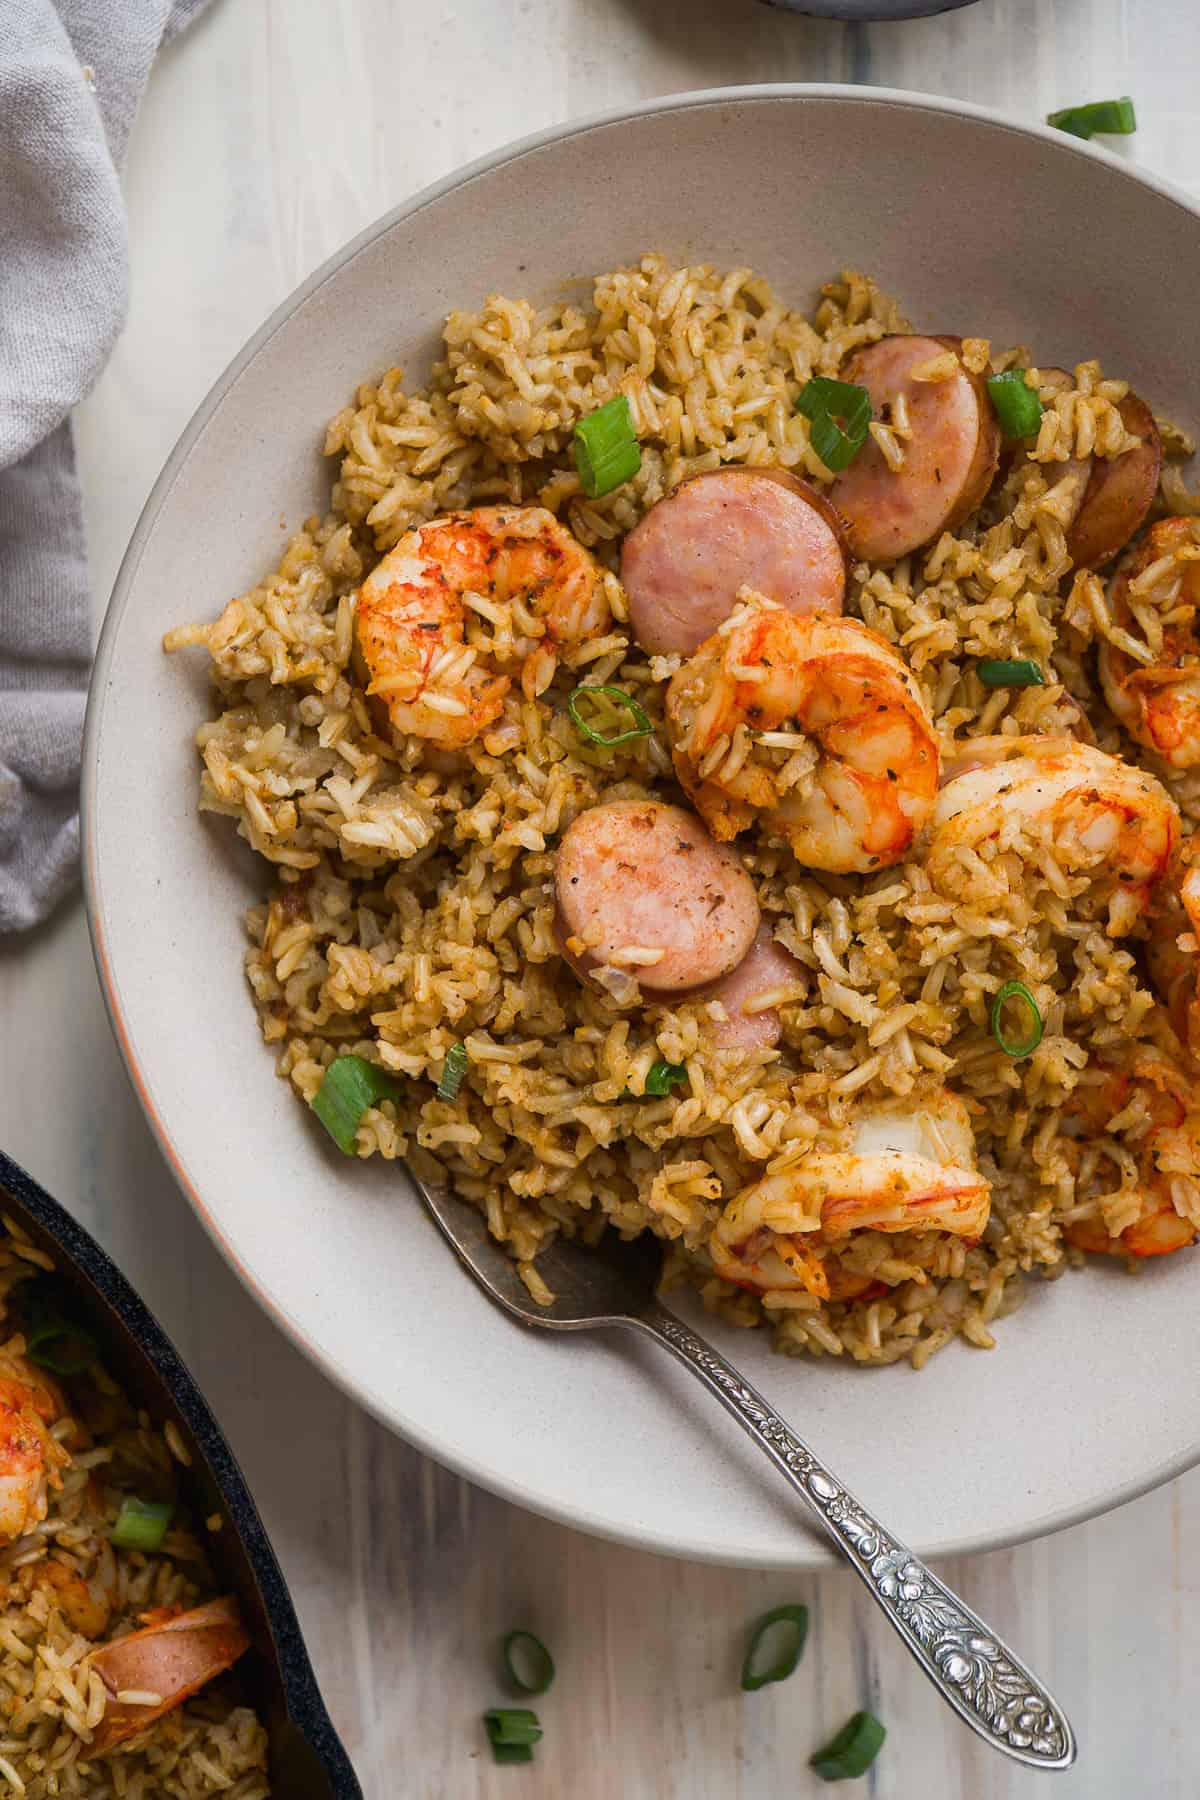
(270, 134)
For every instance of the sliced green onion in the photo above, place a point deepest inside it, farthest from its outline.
(662, 1077)
(790, 1642)
(1016, 990)
(1115, 118)
(640, 728)
(512, 1733)
(839, 413)
(852, 1751)
(1020, 673)
(1016, 406)
(141, 1524)
(351, 1084)
(60, 1347)
(527, 1662)
(453, 1070)
(606, 448)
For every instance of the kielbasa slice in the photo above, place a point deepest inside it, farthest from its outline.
(682, 565)
(1119, 493)
(767, 966)
(949, 461)
(642, 887)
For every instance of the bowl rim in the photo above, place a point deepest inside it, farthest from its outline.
(810, 1553)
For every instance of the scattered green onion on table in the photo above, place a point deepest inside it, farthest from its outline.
(618, 701)
(606, 448)
(1016, 991)
(851, 1753)
(350, 1086)
(527, 1662)
(787, 1628)
(1109, 118)
(141, 1524)
(512, 1732)
(1019, 673)
(1016, 406)
(839, 416)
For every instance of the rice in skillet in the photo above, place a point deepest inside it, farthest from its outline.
(72, 1449)
(414, 899)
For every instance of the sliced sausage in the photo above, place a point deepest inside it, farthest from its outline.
(1119, 493)
(636, 876)
(683, 564)
(172, 1658)
(767, 967)
(949, 461)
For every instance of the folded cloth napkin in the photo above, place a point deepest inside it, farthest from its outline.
(71, 75)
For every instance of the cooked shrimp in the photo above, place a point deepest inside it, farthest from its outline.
(1098, 813)
(514, 569)
(901, 1169)
(85, 1605)
(1154, 1095)
(812, 724)
(176, 1655)
(1172, 954)
(31, 1459)
(1150, 667)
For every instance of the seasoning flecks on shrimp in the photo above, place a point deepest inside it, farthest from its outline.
(1149, 665)
(31, 1459)
(814, 728)
(1100, 816)
(903, 1167)
(1151, 1100)
(461, 601)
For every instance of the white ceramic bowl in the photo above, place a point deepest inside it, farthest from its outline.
(980, 227)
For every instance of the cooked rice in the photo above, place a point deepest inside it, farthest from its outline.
(50, 1700)
(413, 905)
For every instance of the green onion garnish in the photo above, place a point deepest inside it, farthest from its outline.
(852, 1751)
(606, 448)
(1020, 673)
(1016, 406)
(512, 1733)
(790, 1646)
(1016, 990)
(662, 1077)
(141, 1524)
(62, 1348)
(839, 413)
(1115, 118)
(527, 1662)
(453, 1070)
(640, 728)
(351, 1084)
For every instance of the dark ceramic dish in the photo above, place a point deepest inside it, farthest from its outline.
(868, 11)
(308, 1761)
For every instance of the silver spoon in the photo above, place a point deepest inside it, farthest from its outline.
(614, 1284)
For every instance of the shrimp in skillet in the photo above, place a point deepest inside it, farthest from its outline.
(1101, 816)
(31, 1459)
(811, 725)
(461, 601)
(903, 1167)
(1150, 666)
(1151, 1102)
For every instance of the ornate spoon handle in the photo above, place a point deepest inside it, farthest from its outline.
(972, 1670)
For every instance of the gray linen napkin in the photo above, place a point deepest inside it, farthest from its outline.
(71, 75)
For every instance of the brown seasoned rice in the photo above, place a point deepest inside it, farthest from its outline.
(412, 907)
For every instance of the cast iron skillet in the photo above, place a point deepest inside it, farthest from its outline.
(866, 11)
(308, 1761)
